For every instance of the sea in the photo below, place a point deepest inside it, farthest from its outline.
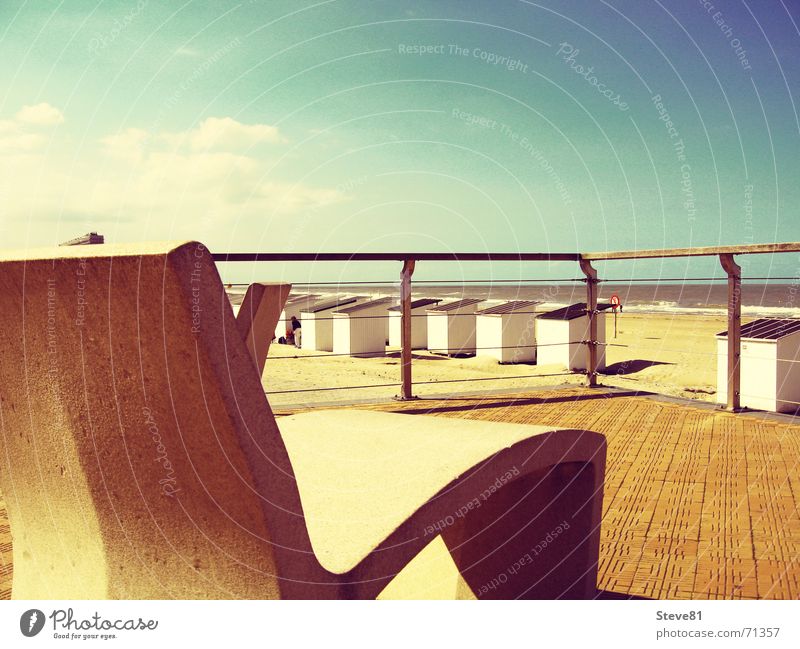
(759, 299)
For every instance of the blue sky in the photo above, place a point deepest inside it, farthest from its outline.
(355, 125)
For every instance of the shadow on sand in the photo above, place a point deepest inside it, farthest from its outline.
(631, 367)
(481, 403)
(416, 357)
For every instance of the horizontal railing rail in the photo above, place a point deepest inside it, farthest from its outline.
(726, 254)
(396, 256)
(703, 251)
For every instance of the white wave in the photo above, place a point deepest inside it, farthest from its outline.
(747, 311)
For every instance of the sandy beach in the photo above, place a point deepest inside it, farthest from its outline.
(667, 354)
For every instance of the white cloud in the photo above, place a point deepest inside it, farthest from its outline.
(135, 178)
(135, 185)
(226, 134)
(187, 51)
(21, 134)
(128, 145)
(208, 168)
(21, 142)
(40, 115)
(15, 139)
(225, 184)
(284, 197)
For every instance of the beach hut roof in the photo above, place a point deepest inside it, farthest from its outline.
(452, 306)
(509, 307)
(300, 297)
(366, 305)
(326, 305)
(768, 328)
(417, 304)
(572, 311)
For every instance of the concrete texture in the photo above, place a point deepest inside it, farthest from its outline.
(258, 317)
(140, 458)
(132, 419)
(372, 481)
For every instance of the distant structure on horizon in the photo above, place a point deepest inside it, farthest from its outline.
(85, 240)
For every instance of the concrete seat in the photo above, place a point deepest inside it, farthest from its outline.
(260, 308)
(377, 488)
(140, 459)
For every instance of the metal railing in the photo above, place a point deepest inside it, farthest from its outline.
(725, 255)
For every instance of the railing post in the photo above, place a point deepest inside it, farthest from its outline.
(405, 325)
(591, 312)
(734, 330)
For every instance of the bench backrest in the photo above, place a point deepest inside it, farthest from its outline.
(139, 457)
(260, 310)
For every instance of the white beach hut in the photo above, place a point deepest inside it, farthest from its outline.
(316, 322)
(559, 336)
(361, 329)
(507, 332)
(769, 365)
(451, 327)
(419, 323)
(295, 305)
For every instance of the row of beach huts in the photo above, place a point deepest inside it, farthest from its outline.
(518, 331)
(527, 331)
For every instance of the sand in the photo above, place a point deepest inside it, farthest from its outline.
(667, 354)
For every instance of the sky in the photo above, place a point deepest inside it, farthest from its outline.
(355, 125)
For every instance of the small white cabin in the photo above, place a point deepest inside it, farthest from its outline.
(295, 305)
(451, 327)
(419, 323)
(769, 365)
(361, 329)
(560, 335)
(316, 322)
(507, 332)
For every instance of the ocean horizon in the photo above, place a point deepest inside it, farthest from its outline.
(759, 299)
